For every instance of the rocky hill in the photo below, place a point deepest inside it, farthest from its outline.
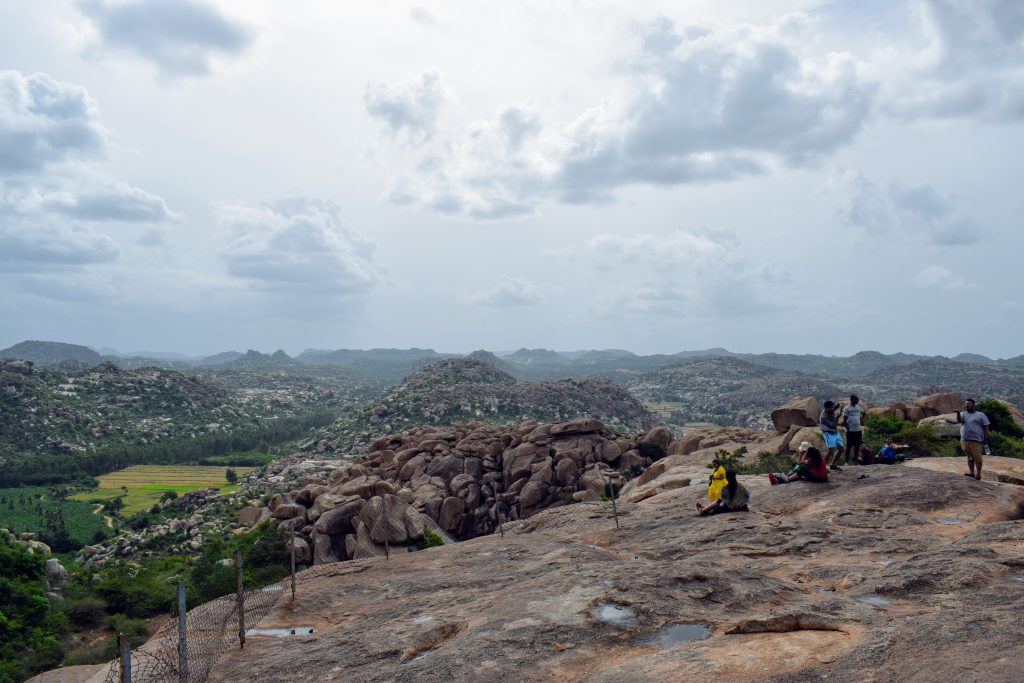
(1002, 381)
(902, 574)
(461, 390)
(727, 391)
(48, 353)
(57, 425)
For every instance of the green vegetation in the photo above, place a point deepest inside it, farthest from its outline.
(30, 629)
(1005, 437)
(431, 539)
(63, 524)
(654, 451)
(766, 462)
(923, 441)
(136, 489)
(247, 459)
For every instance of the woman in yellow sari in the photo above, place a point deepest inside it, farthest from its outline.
(716, 481)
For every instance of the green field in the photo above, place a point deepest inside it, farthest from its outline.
(30, 507)
(145, 484)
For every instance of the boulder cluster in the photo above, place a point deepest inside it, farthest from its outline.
(458, 482)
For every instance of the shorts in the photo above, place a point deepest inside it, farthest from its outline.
(972, 449)
(833, 440)
(854, 439)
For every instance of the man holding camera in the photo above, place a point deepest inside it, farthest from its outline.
(973, 437)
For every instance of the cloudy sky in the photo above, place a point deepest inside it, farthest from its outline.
(780, 175)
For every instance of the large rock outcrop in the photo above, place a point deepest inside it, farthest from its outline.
(458, 482)
(900, 575)
(799, 412)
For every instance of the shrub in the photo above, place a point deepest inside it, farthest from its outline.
(1005, 446)
(431, 540)
(85, 611)
(654, 451)
(999, 415)
(135, 591)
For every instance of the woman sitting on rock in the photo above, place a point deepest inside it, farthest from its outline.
(811, 468)
(733, 498)
(716, 481)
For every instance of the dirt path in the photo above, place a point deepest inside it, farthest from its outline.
(97, 509)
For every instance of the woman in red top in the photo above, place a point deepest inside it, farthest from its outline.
(811, 468)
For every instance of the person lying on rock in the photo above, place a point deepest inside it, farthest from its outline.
(890, 451)
(716, 481)
(810, 468)
(734, 497)
(829, 424)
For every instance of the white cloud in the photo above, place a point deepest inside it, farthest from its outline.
(35, 246)
(510, 291)
(44, 122)
(298, 245)
(905, 210)
(683, 273)
(718, 106)
(179, 37)
(972, 63)
(409, 110)
(115, 202)
(939, 277)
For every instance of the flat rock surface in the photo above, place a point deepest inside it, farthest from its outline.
(887, 573)
(992, 466)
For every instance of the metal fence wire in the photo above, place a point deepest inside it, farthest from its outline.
(209, 630)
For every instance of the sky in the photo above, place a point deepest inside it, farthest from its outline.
(781, 175)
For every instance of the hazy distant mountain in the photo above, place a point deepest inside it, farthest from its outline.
(492, 360)
(536, 357)
(220, 358)
(350, 356)
(595, 354)
(48, 353)
(465, 390)
(255, 359)
(975, 358)
(155, 355)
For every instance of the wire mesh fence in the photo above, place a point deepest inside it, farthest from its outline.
(209, 630)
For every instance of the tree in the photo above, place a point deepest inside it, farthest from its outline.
(231, 476)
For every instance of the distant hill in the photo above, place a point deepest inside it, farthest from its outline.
(536, 356)
(465, 390)
(1001, 380)
(255, 359)
(727, 391)
(220, 358)
(57, 426)
(493, 361)
(48, 353)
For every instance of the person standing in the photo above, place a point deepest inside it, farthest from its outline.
(853, 417)
(829, 424)
(973, 436)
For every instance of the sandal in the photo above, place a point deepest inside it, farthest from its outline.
(773, 479)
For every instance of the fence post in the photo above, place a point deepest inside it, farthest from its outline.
(125, 649)
(608, 483)
(387, 528)
(241, 598)
(182, 635)
(293, 560)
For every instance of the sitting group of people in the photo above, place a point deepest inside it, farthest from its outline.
(728, 495)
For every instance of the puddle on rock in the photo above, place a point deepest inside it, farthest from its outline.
(281, 632)
(876, 600)
(617, 616)
(1019, 578)
(671, 635)
(949, 521)
(423, 617)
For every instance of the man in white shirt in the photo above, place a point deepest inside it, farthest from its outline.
(853, 417)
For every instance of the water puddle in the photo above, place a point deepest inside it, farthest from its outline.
(423, 617)
(671, 635)
(281, 632)
(1019, 578)
(617, 616)
(876, 600)
(885, 561)
(949, 521)
(822, 589)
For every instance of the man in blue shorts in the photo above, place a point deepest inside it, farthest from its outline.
(829, 424)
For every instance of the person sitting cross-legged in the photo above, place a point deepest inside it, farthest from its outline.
(890, 454)
(734, 497)
(811, 467)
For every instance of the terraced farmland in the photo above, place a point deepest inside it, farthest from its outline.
(143, 485)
